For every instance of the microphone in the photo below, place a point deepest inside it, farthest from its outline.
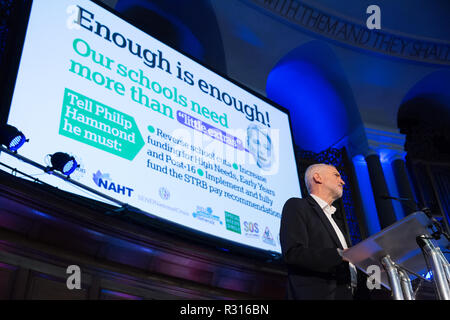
(408, 203)
(439, 229)
(395, 198)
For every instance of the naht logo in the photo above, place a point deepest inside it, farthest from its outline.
(104, 181)
(374, 20)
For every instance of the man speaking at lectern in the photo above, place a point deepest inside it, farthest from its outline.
(312, 240)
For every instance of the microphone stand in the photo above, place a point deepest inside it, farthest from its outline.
(439, 264)
(436, 224)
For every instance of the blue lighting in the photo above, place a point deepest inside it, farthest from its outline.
(249, 36)
(64, 163)
(187, 41)
(435, 84)
(428, 101)
(310, 82)
(11, 137)
(17, 142)
(69, 167)
(391, 183)
(41, 214)
(109, 294)
(366, 192)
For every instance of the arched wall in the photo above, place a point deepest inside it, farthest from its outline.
(311, 83)
(424, 116)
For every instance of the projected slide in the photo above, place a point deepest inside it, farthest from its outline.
(150, 126)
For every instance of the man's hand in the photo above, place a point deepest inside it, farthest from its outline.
(341, 253)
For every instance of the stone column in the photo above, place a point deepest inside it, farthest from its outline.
(403, 185)
(386, 214)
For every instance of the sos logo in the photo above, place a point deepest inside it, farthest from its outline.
(251, 229)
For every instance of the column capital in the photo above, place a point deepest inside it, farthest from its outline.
(397, 156)
(382, 138)
(370, 152)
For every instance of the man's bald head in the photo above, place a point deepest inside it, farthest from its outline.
(325, 181)
(310, 171)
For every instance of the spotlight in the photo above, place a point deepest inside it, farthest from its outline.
(11, 137)
(63, 163)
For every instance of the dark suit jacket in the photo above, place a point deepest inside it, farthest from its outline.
(309, 247)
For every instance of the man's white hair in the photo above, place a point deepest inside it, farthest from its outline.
(311, 170)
